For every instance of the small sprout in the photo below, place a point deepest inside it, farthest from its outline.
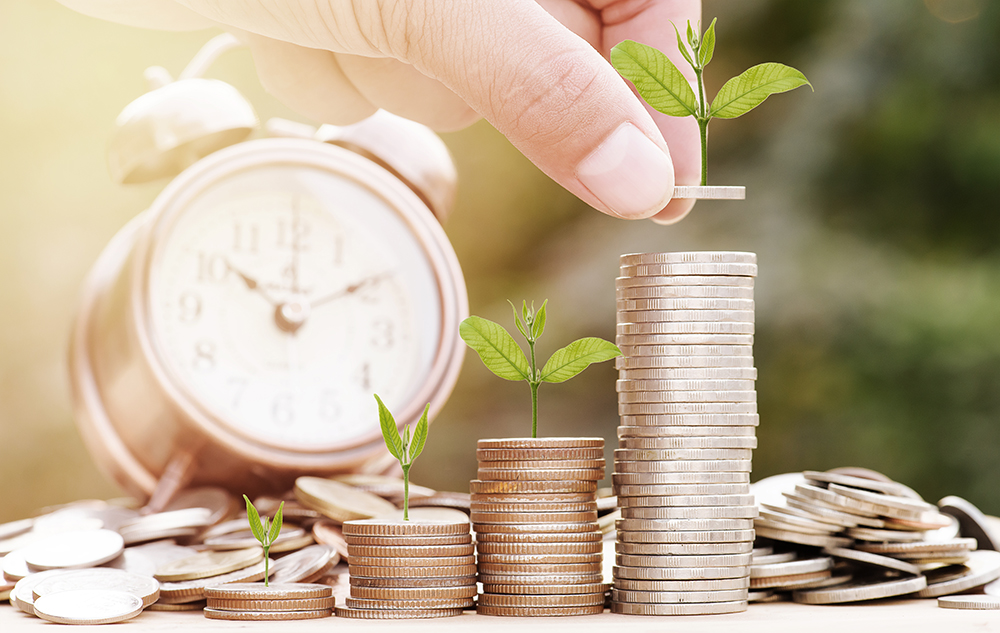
(663, 86)
(504, 357)
(403, 447)
(267, 535)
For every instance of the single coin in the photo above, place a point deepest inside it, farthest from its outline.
(547, 474)
(679, 561)
(872, 534)
(537, 537)
(166, 525)
(339, 501)
(956, 544)
(412, 551)
(540, 559)
(973, 522)
(88, 606)
(774, 557)
(687, 454)
(145, 588)
(677, 597)
(683, 292)
(408, 561)
(591, 547)
(192, 590)
(538, 464)
(415, 593)
(969, 602)
(721, 584)
(902, 503)
(982, 567)
(498, 487)
(22, 595)
(875, 560)
(627, 431)
(274, 591)
(687, 443)
(693, 501)
(541, 442)
(411, 541)
(823, 515)
(708, 512)
(684, 549)
(680, 573)
(685, 316)
(874, 485)
(685, 466)
(689, 257)
(532, 517)
(692, 483)
(327, 532)
(686, 408)
(861, 589)
(265, 616)
(400, 528)
(669, 422)
(693, 281)
(209, 563)
(298, 604)
(420, 603)
(505, 569)
(684, 385)
(853, 504)
(815, 540)
(684, 304)
(538, 454)
(774, 514)
(180, 606)
(218, 501)
(644, 339)
(791, 527)
(586, 506)
(488, 599)
(804, 501)
(928, 521)
(794, 581)
(395, 614)
(455, 500)
(74, 550)
(527, 497)
(449, 582)
(645, 376)
(302, 565)
(696, 356)
(631, 495)
(824, 509)
(687, 268)
(533, 528)
(633, 397)
(691, 608)
(13, 528)
(532, 581)
(535, 612)
(545, 589)
(411, 572)
(793, 567)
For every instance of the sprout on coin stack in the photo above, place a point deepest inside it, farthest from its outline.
(403, 447)
(688, 418)
(534, 505)
(264, 533)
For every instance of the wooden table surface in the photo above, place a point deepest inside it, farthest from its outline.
(909, 616)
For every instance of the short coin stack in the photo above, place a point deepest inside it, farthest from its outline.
(688, 411)
(534, 510)
(255, 602)
(409, 569)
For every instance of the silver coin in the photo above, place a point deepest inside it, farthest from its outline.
(677, 597)
(720, 584)
(682, 549)
(702, 359)
(853, 505)
(772, 557)
(643, 345)
(626, 431)
(691, 501)
(689, 257)
(709, 192)
(687, 442)
(654, 270)
(842, 519)
(874, 560)
(983, 567)
(14, 528)
(692, 454)
(803, 539)
(684, 280)
(145, 559)
(763, 595)
(727, 512)
(881, 536)
(679, 573)
(791, 527)
(862, 589)
(74, 550)
(22, 595)
(685, 316)
(658, 495)
(792, 567)
(771, 513)
(644, 397)
(969, 602)
(684, 385)
(710, 465)
(683, 292)
(633, 327)
(901, 503)
(685, 408)
(690, 373)
(684, 303)
(88, 606)
(887, 487)
(868, 519)
(146, 588)
(304, 564)
(682, 525)
(898, 549)
(687, 536)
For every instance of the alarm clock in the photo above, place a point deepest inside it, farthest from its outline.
(235, 332)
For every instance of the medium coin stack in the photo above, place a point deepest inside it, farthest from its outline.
(688, 411)
(409, 569)
(255, 602)
(534, 510)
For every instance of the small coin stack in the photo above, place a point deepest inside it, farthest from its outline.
(688, 411)
(255, 602)
(534, 510)
(409, 569)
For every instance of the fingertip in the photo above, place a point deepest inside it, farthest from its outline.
(674, 212)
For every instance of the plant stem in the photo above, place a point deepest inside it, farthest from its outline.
(266, 549)
(702, 119)
(533, 382)
(406, 493)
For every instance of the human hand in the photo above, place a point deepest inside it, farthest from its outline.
(533, 69)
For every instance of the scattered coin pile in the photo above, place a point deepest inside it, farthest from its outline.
(850, 535)
(409, 569)
(534, 511)
(255, 602)
(688, 415)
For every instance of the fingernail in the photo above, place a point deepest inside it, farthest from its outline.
(628, 173)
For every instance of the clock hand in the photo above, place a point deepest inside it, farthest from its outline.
(251, 283)
(343, 292)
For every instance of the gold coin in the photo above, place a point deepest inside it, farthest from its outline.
(520, 487)
(208, 564)
(536, 581)
(693, 454)
(690, 608)
(689, 268)
(546, 589)
(538, 559)
(265, 616)
(684, 549)
(418, 603)
(703, 512)
(529, 600)
(533, 517)
(693, 257)
(686, 536)
(396, 528)
(395, 614)
(541, 442)
(301, 604)
(591, 547)
(274, 591)
(408, 561)
(533, 528)
(411, 541)
(339, 501)
(687, 281)
(540, 537)
(537, 454)
(681, 561)
(406, 551)
(687, 442)
(585, 506)
(411, 572)
(535, 612)
(414, 583)
(414, 593)
(541, 475)
(502, 569)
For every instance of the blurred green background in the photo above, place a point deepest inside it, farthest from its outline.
(872, 204)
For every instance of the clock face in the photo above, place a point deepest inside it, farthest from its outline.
(281, 297)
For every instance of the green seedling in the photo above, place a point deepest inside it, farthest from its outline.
(266, 534)
(505, 358)
(403, 447)
(664, 88)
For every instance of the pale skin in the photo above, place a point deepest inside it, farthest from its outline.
(537, 71)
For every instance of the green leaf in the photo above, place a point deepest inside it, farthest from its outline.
(656, 78)
(707, 45)
(496, 348)
(406, 444)
(681, 46)
(539, 325)
(745, 92)
(254, 519)
(419, 435)
(389, 431)
(691, 37)
(577, 356)
(276, 524)
(517, 320)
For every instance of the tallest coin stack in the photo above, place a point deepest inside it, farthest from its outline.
(688, 419)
